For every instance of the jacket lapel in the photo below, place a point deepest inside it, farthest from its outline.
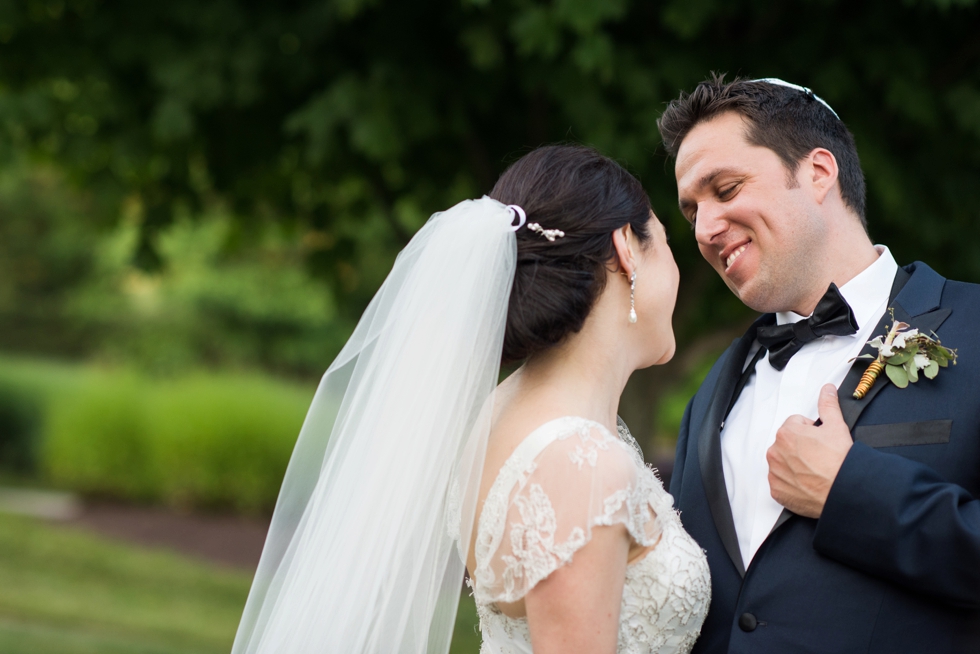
(709, 442)
(915, 297)
(851, 408)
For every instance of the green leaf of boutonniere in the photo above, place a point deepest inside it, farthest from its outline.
(911, 371)
(903, 352)
(899, 358)
(898, 375)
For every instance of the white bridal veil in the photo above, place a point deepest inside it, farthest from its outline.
(361, 556)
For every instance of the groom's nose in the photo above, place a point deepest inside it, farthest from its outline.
(710, 223)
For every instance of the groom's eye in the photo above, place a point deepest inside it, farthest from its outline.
(727, 192)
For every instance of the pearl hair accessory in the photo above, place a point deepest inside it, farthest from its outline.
(521, 217)
(549, 234)
(632, 292)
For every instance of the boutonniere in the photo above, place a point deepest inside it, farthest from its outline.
(903, 353)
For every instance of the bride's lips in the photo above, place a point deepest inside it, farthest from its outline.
(730, 255)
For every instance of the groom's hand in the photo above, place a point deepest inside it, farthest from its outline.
(805, 459)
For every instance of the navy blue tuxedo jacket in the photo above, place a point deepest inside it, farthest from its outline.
(893, 564)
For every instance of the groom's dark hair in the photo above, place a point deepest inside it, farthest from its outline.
(788, 121)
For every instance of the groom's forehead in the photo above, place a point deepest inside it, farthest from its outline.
(712, 147)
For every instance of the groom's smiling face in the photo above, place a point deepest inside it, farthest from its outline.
(753, 221)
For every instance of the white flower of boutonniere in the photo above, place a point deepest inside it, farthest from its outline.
(903, 353)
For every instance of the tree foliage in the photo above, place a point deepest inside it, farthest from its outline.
(348, 122)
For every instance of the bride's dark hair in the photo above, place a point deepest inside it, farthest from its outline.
(587, 196)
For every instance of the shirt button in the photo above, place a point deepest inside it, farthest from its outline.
(747, 622)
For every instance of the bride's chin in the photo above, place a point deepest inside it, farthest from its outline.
(659, 356)
(668, 354)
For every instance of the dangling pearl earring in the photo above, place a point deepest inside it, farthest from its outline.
(632, 292)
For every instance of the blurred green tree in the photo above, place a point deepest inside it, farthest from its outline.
(71, 286)
(350, 121)
(254, 305)
(47, 232)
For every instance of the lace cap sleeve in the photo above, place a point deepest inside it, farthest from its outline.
(567, 478)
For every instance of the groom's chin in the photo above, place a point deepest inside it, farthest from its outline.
(751, 295)
(737, 290)
(763, 301)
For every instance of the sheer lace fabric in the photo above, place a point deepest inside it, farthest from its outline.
(567, 477)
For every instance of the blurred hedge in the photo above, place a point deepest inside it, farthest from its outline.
(25, 387)
(200, 440)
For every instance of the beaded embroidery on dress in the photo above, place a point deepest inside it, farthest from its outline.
(565, 478)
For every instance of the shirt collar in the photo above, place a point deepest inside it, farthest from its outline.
(865, 292)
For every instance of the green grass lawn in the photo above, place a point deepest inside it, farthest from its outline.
(65, 591)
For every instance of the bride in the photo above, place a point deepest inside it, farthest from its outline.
(413, 462)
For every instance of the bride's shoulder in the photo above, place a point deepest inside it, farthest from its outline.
(567, 476)
(574, 444)
(527, 422)
(578, 434)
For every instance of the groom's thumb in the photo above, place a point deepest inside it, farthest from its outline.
(828, 406)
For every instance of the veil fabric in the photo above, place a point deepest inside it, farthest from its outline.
(361, 556)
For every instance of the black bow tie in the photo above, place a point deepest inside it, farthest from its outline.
(832, 317)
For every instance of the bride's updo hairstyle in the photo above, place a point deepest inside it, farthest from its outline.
(587, 196)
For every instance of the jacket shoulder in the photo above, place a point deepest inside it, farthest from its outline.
(960, 291)
(964, 299)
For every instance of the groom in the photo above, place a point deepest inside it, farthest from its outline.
(832, 524)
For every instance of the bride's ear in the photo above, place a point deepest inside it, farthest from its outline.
(625, 243)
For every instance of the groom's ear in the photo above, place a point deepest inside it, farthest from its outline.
(625, 242)
(820, 168)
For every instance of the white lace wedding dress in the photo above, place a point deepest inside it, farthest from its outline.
(565, 478)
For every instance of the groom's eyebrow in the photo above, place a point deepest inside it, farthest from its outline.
(711, 176)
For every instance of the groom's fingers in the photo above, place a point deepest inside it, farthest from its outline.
(805, 458)
(828, 406)
(798, 420)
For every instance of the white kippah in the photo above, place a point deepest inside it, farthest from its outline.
(779, 82)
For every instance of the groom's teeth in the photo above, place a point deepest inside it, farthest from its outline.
(734, 255)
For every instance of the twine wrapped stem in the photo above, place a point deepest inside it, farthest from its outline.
(868, 378)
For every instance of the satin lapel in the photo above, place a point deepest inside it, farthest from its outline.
(709, 443)
(851, 408)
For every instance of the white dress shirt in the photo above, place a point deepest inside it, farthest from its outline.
(771, 396)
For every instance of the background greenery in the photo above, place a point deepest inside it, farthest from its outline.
(203, 440)
(197, 200)
(227, 184)
(64, 591)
